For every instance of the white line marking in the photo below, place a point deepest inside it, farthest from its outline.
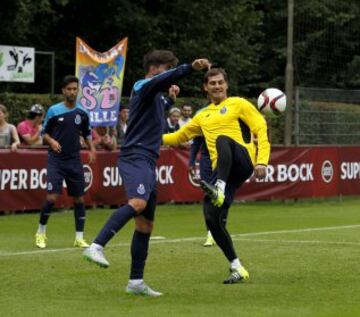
(235, 237)
(301, 241)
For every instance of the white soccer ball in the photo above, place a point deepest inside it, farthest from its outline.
(272, 102)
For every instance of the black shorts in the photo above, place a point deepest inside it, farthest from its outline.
(241, 169)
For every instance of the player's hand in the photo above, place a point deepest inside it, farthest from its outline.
(55, 146)
(200, 64)
(173, 92)
(92, 156)
(260, 171)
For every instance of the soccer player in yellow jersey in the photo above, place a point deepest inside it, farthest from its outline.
(229, 125)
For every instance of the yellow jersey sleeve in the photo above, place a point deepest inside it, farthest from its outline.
(186, 133)
(258, 126)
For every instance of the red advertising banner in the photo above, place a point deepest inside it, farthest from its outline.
(293, 172)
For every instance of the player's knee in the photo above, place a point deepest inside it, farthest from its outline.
(52, 198)
(138, 204)
(143, 225)
(79, 200)
(222, 141)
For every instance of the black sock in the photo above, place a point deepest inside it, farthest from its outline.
(45, 212)
(79, 214)
(139, 251)
(216, 218)
(117, 220)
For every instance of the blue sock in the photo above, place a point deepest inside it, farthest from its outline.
(45, 212)
(117, 220)
(139, 252)
(79, 214)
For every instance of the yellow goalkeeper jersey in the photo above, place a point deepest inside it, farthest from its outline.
(234, 117)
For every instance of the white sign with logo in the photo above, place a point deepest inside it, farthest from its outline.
(17, 63)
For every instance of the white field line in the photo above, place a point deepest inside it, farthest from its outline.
(237, 237)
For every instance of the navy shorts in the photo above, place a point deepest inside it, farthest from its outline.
(241, 169)
(69, 170)
(138, 175)
(139, 179)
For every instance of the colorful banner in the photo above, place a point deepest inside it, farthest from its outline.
(101, 78)
(17, 64)
(292, 173)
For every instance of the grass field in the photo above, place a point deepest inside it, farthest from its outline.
(303, 258)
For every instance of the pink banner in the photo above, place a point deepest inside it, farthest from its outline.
(292, 173)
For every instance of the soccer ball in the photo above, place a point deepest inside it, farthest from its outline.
(272, 102)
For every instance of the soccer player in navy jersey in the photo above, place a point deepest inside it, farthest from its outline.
(137, 163)
(63, 126)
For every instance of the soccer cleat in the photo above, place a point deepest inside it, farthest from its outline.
(237, 275)
(40, 240)
(80, 243)
(141, 289)
(209, 240)
(96, 256)
(217, 196)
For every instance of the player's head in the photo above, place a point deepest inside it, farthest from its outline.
(158, 61)
(216, 84)
(70, 88)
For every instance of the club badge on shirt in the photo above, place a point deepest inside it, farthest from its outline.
(223, 110)
(77, 119)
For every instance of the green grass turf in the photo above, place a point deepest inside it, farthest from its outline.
(298, 273)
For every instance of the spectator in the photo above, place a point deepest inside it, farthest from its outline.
(102, 139)
(186, 112)
(8, 133)
(172, 122)
(30, 129)
(122, 124)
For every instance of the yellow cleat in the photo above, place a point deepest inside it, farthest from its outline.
(40, 240)
(209, 240)
(237, 275)
(216, 195)
(80, 243)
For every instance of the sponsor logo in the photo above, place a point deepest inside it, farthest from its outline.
(223, 110)
(350, 170)
(141, 189)
(194, 175)
(77, 119)
(88, 176)
(327, 171)
(49, 187)
(61, 119)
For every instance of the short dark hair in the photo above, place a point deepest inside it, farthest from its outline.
(122, 107)
(69, 79)
(159, 57)
(213, 72)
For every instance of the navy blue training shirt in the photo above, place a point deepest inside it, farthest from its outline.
(146, 117)
(66, 125)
